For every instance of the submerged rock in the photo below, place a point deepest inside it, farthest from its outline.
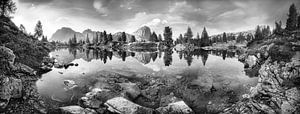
(131, 90)
(96, 97)
(70, 84)
(123, 106)
(176, 108)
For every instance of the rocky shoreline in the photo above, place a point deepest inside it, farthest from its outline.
(278, 89)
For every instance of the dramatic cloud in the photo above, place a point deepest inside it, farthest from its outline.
(128, 15)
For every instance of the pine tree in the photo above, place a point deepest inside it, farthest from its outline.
(87, 40)
(258, 33)
(38, 31)
(291, 22)
(188, 35)
(44, 39)
(110, 39)
(7, 7)
(74, 39)
(104, 38)
(168, 36)
(101, 37)
(204, 38)
(224, 38)
(123, 37)
(180, 39)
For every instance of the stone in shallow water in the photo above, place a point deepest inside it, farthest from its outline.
(96, 97)
(131, 90)
(76, 110)
(123, 106)
(176, 108)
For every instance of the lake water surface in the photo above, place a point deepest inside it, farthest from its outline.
(206, 68)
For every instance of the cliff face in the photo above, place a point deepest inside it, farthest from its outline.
(64, 34)
(119, 34)
(143, 34)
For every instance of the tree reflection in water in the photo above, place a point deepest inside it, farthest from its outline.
(146, 57)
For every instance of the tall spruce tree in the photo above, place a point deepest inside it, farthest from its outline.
(38, 30)
(291, 22)
(224, 38)
(109, 37)
(123, 37)
(258, 34)
(168, 36)
(204, 38)
(188, 35)
(87, 40)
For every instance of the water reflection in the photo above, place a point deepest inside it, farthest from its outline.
(145, 57)
(195, 71)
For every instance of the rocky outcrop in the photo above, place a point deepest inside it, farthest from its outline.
(142, 34)
(278, 89)
(17, 86)
(117, 35)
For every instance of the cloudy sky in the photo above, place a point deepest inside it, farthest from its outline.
(128, 15)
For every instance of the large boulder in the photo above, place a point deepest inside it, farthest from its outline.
(123, 106)
(131, 90)
(9, 88)
(143, 34)
(21, 68)
(96, 97)
(175, 108)
(7, 59)
(76, 110)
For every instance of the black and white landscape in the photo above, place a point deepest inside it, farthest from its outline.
(149, 56)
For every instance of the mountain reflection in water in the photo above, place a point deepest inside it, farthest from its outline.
(198, 69)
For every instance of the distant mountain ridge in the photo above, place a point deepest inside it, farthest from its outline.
(65, 33)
